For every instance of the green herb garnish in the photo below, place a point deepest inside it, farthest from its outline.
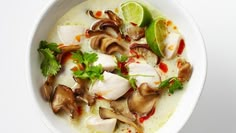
(49, 65)
(132, 82)
(172, 84)
(89, 72)
(51, 46)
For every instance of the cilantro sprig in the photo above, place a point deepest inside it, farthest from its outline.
(49, 65)
(90, 71)
(172, 84)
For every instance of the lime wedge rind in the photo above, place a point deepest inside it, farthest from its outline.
(155, 35)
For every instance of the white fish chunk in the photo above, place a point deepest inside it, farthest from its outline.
(111, 87)
(172, 42)
(144, 73)
(68, 33)
(108, 62)
(65, 77)
(97, 124)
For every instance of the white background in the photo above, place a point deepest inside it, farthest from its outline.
(215, 112)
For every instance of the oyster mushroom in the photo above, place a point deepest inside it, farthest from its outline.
(145, 90)
(91, 33)
(108, 45)
(108, 114)
(65, 50)
(114, 17)
(82, 92)
(144, 51)
(63, 99)
(142, 104)
(185, 70)
(103, 23)
(47, 88)
(120, 106)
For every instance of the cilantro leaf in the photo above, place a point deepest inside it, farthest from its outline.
(172, 84)
(132, 82)
(123, 58)
(78, 57)
(51, 46)
(90, 72)
(49, 65)
(84, 58)
(90, 58)
(176, 85)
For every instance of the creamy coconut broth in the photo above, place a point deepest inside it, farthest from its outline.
(105, 71)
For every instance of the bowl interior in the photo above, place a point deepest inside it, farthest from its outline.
(194, 45)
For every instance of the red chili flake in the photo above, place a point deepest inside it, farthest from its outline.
(98, 13)
(142, 119)
(133, 52)
(181, 47)
(133, 23)
(74, 69)
(122, 67)
(99, 97)
(79, 110)
(131, 60)
(163, 67)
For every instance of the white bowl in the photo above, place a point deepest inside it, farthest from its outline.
(195, 50)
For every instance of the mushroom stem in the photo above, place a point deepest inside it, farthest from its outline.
(82, 92)
(91, 33)
(47, 88)
(66, 49)
(114, 17)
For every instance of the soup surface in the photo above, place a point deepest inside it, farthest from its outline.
(113, 59)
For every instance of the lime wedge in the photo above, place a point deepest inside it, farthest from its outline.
(155, 35)
(136, 13)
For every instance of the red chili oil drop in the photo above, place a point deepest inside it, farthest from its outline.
(142, 119)
(99, 97)
(66, 57)
(181, 47)
(98, 13)
(163, 67)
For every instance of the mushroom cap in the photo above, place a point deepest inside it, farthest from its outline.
(63, 99)
(141, 105)
(185, 71)
(120, 106)
(143, 99)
